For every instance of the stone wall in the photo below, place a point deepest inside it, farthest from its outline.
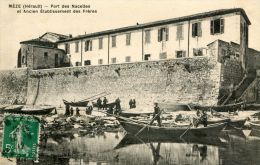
(183, 80)
(13, 86)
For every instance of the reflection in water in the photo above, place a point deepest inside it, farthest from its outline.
(112, 148)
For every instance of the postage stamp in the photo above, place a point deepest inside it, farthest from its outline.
(20, 136)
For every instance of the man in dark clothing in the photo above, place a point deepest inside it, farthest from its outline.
(105, 103)
(71, 111)
(203, 119)
(156, 115)
(134, 104)
(89, 110)
(99, 103)
(118, 106)
(67, 110)
(131, 103)
(77, 112)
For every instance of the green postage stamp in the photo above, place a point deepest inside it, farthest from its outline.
(20, 136)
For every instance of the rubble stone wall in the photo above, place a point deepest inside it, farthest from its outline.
(13, 86)
(181, 80)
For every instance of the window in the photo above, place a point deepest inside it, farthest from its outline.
(88, 45)
(87, 62)
(197, 52)
(224, 52)
(180, 54)
(100, 43)
(179, 32)
(45, 55)
(23, 60)
(217, 26)
(113, 41)
(67, 48)
(163, 34)
(76, 47)
(100, 61)
(147, 57)
(128, 38)
(163, 56)
(196, 29)
(113, 60)
(77, 63)
(127, 59)
(147, 36)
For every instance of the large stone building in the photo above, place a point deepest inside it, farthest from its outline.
(182, 37)
(42, 52)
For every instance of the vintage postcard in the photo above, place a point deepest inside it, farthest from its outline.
(130, 82)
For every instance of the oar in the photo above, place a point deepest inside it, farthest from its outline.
(149, 123)
(93, 96)
(188, 129)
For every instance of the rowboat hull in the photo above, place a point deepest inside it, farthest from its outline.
(255, 129)
(29, 110)
(133, 114)
(76, 104)
(129, 139)
(173, 107)
(171, 132)
(231, 123)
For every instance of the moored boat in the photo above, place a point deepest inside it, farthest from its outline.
(129, 139)
(172, 107)
(171, 132)
(255, 128)
(76, 103)
(28, 109)
(231, 123)
(134, 114)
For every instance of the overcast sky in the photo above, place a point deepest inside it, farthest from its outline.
(117, 13)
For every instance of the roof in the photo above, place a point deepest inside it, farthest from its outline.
(162, 22)
(43, 40)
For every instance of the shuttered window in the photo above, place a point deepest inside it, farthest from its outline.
(128, 38)
(147, 37)
(217, 26)
(163, 34)
(196, 29)
(100, 43)
(180, 54)
(77, 47)
(88, 45)
(179, 32)
(113, 41)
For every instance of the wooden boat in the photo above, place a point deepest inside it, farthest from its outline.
(134, 114)
(255, 128)
(29, 109)
(171, 132)
(231, 123)
(12, 109)
(77, 103)
(172, 107)
(129, 139)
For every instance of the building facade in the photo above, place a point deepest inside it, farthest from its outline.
(42, 53)
(184, 37)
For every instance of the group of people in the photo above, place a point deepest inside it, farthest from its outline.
(132, 103)
(202, 117)
(102, 104)
(69, 110)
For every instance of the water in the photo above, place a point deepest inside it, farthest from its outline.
(232, 148)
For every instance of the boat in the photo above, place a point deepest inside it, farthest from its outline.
(134, 114)
(12, 108)
(130, 139)
(173, 107)
(231, 123)
(255, 128)
(83, 103)
(29, 109)
(171, 132)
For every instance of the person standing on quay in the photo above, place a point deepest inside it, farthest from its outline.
(105, 103)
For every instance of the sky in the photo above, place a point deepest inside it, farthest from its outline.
(15, 28)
